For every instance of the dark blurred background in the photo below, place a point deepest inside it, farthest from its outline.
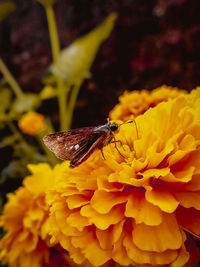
(153, 43)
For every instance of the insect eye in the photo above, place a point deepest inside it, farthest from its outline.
(113, 127)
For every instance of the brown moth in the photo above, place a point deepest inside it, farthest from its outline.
(78, 144)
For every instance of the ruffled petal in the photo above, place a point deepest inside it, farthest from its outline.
(119, 253)
(109, 236)
(161, 198)
(76, 201)
(95, 254)
(148, 257)
(159, 238)
(110, 199)
(188, 199)
(189, 220)
(193, 185)
(77, 221)
(183, 255)
(103, 221)
(142, 211)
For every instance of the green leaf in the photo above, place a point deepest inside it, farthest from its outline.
(48, 92)
(6, 8)
(5, 97)
(8, 141)
(13, 169)
(26, 103)
(75, 60)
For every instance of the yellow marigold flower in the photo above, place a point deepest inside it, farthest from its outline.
(32, 123)
(26, 222)
(137, 102)
(134, 210)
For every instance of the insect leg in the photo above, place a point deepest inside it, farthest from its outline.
(136, 129)
(117, 141)
(102, 154)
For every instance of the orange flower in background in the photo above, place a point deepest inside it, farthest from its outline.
(32, 123)
(134, 209)
(137, 102)
(26, 222)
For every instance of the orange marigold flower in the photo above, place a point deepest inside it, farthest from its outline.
(137, 102)
(26, 222)
(32, 123)
(134, 209)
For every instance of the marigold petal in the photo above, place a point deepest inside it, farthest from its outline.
(82, 240)
(29, 260)
(23, 235)
(181, 260)
(159, 238)
(77, 221)
(37, 171)
(95, 254)
(104, 185)
(186, 145)
(148, 257)
(142, 211)
(103, 221)
(119, 254)
(76, 201)
(19, 247)
(162, 198)
(185, 175)
(45, 229)
(171, 178)
(158, 156)
(109, 236)
(115, 177)
(155, 173)
(189, 220)
(59, 215)
(77, 256)
(140, 163)
(188, 199)
(103, 201)
(194, 184)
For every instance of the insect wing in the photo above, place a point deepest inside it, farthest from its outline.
(72, 145)
(86, 149)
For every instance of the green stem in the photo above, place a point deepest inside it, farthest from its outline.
(15, 131)
(10, 79)
(56, 52)
(72, 102)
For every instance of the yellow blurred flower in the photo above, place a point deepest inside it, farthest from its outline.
(26, 222)
(134, 210)
(137, 102)
(32, 123)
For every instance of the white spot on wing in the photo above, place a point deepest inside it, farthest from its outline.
(59, 138)
(76, 146)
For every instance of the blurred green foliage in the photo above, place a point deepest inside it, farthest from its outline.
(62, 80)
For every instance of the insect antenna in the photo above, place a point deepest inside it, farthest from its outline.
(135, 126)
